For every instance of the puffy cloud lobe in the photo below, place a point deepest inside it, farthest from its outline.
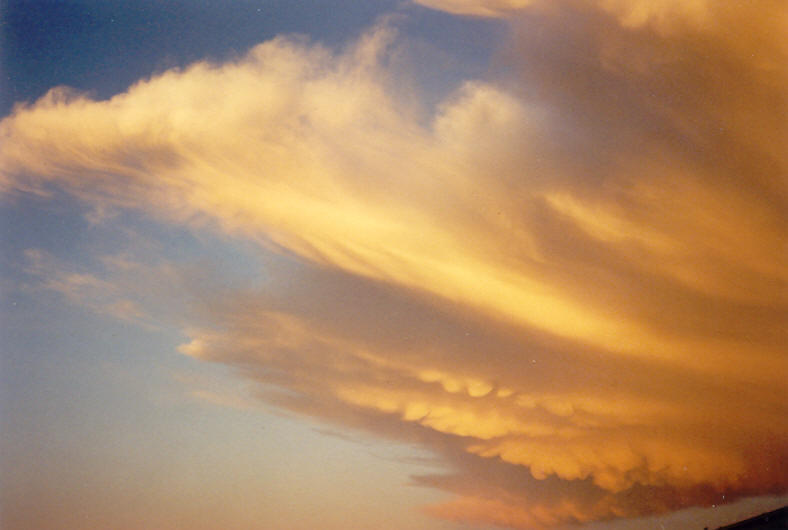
(339, 178)
(672, 449)
(559, 307)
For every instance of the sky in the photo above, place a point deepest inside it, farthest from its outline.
(423, 264)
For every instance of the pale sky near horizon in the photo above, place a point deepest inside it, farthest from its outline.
(430, 264)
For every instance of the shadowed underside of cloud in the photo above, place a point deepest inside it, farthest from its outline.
(569, 280)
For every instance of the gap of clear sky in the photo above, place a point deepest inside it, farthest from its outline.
(430, 264)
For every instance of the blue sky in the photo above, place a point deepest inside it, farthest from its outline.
(438, 264)
(103, 47)
(104, 403)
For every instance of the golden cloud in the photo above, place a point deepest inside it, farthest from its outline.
(663, 15)
(577, 271)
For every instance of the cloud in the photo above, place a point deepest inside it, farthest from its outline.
(664, 15)
(568, 281)
(79, 287)
(142, 290)
(638, 440)
(479, 8)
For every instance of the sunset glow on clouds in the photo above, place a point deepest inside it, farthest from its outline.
(567, 279)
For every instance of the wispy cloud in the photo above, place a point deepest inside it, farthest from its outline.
(79, 287)
(568, 281)
(663, 15)
(115, 285)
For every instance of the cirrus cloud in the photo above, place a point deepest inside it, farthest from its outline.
(568, 281)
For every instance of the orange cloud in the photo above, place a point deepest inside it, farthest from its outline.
(661, 14)
(568, 281)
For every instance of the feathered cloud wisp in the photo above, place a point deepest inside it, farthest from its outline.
(568, 280)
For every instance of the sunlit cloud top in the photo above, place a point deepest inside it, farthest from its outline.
(568, 279)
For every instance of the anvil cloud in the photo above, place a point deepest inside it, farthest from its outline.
(567, 279)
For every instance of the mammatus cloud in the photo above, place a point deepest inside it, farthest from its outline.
(569, 281)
